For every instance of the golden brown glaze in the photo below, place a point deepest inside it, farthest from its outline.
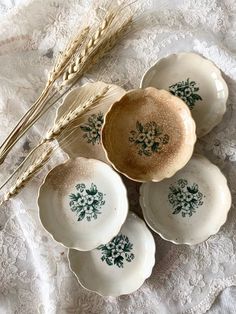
(169, 113)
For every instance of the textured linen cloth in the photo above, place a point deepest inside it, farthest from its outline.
(34, 273)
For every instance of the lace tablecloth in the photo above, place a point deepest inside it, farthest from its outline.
(34, 273)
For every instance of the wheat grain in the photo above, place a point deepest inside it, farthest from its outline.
(65, 57)
(110, 42)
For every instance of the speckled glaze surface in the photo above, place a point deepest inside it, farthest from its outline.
(83, 203)
(148, 134)
(120, 266)
(189, 207)
(85, 141)
(197, 81)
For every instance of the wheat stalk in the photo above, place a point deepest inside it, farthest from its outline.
(37, 163)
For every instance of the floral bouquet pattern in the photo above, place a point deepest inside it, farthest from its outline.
(93, 128)
(185, 198)
(87, 202)
(117, 251)
(148, 138)
(187, 91)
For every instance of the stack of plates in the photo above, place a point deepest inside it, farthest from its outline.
(148, 135)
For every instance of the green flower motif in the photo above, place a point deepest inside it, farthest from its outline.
(187, 91)
(117, 251)
(93, 128)
(149, 138)
(185, 198)
(86, 202)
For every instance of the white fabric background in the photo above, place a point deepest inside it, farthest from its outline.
(34, 274)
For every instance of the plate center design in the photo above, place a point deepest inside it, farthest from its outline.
(187, 91)
(185, 198)
(92, 128)
(149, 138)
(117, 251)
(86, 202)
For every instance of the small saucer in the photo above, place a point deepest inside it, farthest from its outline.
(197, 81)
(83, 203)
(148, 134)
(189, 207)
(86, 141)
(120, 266)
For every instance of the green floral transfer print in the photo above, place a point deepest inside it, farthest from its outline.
(117, 251)
(86, 202)
(93, 128)
(148, 138)
(187, 91)
(185, 198)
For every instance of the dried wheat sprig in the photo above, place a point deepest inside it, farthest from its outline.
(65, 122)
(33, 113)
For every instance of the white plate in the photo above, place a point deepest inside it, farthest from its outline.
(119, 267)
(83, 203)
(85, 141)
(190, 206)
(197, 81)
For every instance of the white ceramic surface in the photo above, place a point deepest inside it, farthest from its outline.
(85, 141)
(83, 203)
(119, 267)
(195, 80)
(190, 206)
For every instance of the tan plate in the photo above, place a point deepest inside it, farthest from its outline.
(85, 141)
(148, 134)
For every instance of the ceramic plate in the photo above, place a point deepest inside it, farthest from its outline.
(120, 266)
(148, 134)
(83, 203)
(190, 206)
(85, 142)
(197, 81)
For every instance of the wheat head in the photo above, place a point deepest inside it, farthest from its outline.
(72, 71)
